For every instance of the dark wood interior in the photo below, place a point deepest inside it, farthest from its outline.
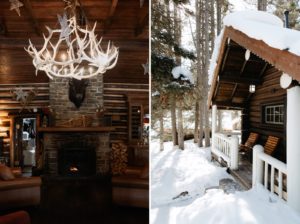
(63, 197)
(125, 23)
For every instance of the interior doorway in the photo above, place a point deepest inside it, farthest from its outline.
(25, 143)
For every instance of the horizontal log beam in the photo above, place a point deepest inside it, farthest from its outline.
(228, 104)
(234, 78)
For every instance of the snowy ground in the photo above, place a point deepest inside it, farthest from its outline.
(178, 183)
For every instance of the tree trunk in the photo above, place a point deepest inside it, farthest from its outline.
(200, 141)
(199, 21)
(205, 77)
(196, 128)
(180, 129)
(262, 5)
(219, 16)
(212, 24)
(173, 119)
(161, 132)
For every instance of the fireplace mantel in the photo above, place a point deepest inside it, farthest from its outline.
(74, 129)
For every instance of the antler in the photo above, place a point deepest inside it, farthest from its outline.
(85, 57)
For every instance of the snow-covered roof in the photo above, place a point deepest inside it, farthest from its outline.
(262, 26)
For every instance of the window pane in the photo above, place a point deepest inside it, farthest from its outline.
(274, 114)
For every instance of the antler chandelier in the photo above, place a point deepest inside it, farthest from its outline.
(76, 52)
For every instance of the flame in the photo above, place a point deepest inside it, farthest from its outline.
(74, 169)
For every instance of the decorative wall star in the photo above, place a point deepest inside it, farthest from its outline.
(146, 67)
(15, 5)
(20, 94)
(65, 29)
(24, 97)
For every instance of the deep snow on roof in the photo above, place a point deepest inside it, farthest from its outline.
(259, 25)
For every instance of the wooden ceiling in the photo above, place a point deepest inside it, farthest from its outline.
(125, 23)
(235, 75)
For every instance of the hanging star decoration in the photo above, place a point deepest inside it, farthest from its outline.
(146, 67)
(65, 29)
(15, 5)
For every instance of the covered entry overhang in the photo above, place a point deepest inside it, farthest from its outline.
(232, 75)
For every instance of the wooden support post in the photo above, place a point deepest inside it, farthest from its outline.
(292, 147)
(214, 119)
(234, 153)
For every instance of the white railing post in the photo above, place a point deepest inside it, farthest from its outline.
(258, 165)
(213, 125)
(234, 152)
(292, 147)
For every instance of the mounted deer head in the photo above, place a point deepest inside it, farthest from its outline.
(77, 91)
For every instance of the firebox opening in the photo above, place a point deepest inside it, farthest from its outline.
(76, 160)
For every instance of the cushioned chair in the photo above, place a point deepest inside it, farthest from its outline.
(19, 217)
(17, 191)
(132, 187)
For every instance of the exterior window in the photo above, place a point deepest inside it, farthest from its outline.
(274, 114)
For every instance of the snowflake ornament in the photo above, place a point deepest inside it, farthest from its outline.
(15, 5)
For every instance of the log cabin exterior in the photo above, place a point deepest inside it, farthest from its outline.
(269, 111)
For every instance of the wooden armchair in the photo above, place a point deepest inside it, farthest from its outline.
(271, 144)
(251, 141)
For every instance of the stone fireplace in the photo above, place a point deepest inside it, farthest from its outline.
(76, 151)
(65, 110)
(89, 152)
(76, 160)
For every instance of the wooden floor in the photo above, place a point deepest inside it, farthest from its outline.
(117, 215)
(244, 174)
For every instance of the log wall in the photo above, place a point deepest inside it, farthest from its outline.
(115, 103)
(268, 93)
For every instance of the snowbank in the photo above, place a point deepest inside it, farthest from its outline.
(174, 171)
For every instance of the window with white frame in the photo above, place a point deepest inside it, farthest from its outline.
(274, 114)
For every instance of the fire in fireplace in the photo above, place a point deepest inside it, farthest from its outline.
(76, 160)
(73, 169)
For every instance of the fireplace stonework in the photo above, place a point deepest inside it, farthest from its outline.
(65, 110)
(55, 141)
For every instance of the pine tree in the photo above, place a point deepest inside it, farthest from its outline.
(166, 53)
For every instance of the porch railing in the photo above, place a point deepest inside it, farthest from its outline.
(269, 172)
(226, 148)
